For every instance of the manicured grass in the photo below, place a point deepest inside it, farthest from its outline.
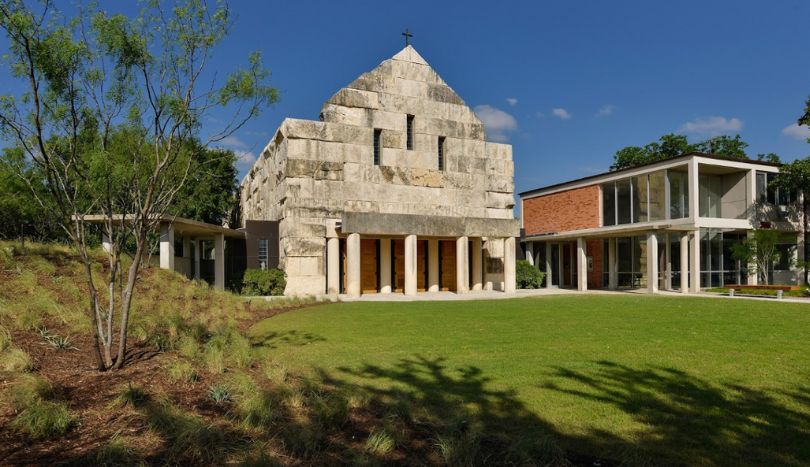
(630, 378)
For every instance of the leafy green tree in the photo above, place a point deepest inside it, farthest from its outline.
(759, 251)
(725, 146)
(111, 108)
(795, 176)
(672, 145)
(20, 215)
(210, 193)
(771, 157)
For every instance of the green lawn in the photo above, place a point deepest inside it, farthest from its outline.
(631, 378)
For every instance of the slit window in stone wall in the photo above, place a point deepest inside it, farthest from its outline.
(377, 145)
(441, 152)
(409, 135)
(262, 256)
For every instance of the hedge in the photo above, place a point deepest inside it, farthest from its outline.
(263, 282)
(528, 276)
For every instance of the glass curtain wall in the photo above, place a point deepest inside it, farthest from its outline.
(711, 193)
(635, 199)
(718, 267)
(678, 195)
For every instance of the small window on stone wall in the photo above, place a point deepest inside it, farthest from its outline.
(409, 135)
(441, 152)
(262, 256)
(377, 145)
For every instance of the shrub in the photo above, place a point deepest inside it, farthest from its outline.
(219, 394)
(183, 371)
(5, 339)
(14, 359)
(132, 396)
(44, 419)
(263, 282)
(528, 276)
(27, 389)
(379, 443)
(116, 453)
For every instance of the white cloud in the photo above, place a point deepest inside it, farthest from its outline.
(540, 114)
(498, 124)
(244, 160)
(561, 113)
(712, 126)
(796, 131)
(512, 101)
(606, 110)
(232, 142)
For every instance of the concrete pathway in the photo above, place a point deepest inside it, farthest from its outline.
(449, 296)
(521, 293)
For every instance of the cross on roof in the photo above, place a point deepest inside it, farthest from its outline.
(408, 36)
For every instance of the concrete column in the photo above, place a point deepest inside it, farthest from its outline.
(668, 263)
(685, 262)
(410, 265)
(219, 261)
(167, 246)
(353, 265)
(582, 266)
(530, 253)
(106, 244)
(549, 272)
(196, 259)
(613, 265)
(652, 262)
(385, 265)
(509, 276)
(694, 256)
(462, 272)
(433, 265)
(475, 263)
(333, 266)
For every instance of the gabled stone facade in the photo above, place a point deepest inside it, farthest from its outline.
(318, 179)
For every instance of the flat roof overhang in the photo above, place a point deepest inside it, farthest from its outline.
(718, 163)
(686, 225)
(181, 225)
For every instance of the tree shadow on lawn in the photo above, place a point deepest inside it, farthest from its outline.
(690, 420)
(451, 416)
(687, 420)
(275, 339)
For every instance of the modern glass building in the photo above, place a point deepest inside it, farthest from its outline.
(667, 225)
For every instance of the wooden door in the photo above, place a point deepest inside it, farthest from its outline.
(369, 261)
(447, 265)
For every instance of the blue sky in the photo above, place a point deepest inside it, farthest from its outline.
(566, 83)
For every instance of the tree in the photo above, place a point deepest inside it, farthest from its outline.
(759, 251)
(725, 146)
(795, 177)
(22, 216)
(210, 193)
(672, 145)
(110, 110)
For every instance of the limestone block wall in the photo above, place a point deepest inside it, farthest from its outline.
(314, 171)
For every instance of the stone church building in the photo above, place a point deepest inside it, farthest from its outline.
(394, 190)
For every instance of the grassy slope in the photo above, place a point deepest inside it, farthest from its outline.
(700, 381)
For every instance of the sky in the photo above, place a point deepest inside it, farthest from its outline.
(567, 84)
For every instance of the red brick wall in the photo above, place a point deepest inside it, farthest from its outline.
(560, 212)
